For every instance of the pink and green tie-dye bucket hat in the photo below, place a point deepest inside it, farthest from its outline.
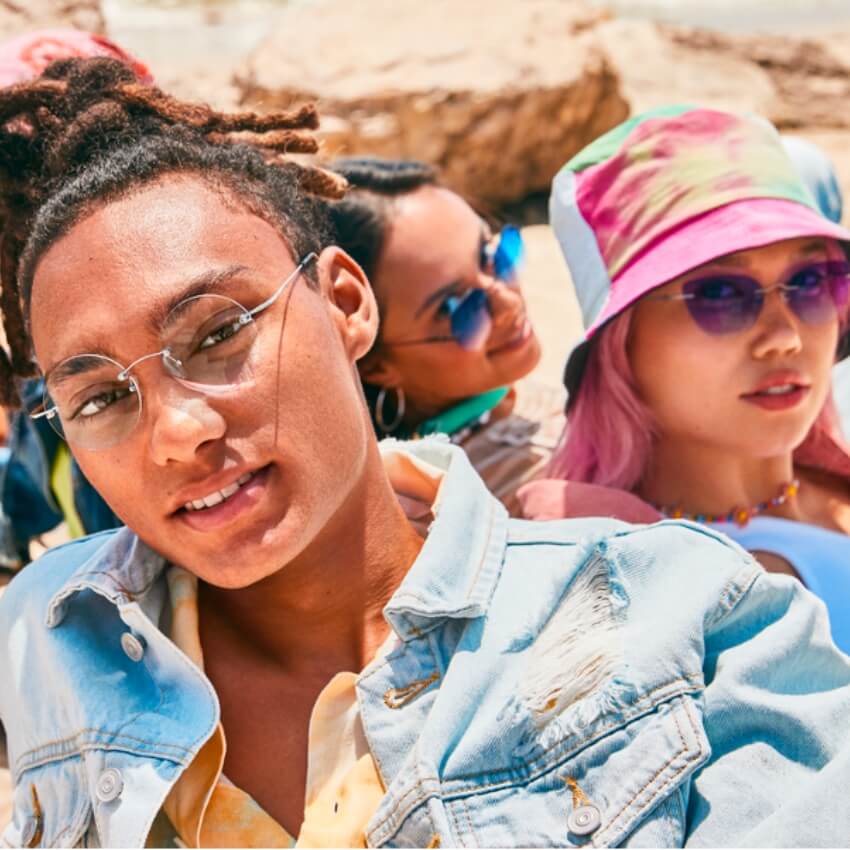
(665, 192)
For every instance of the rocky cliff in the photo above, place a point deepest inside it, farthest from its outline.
(17, 16)
(497, 101)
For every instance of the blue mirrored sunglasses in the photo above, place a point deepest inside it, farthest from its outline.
(470, 315)
(505, 255)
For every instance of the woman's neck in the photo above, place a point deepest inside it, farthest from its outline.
(323, 611)
(699, 479)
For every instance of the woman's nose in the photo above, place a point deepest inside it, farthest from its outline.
(506, 302)
(777, 328)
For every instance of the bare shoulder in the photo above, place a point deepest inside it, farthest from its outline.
(824, 500)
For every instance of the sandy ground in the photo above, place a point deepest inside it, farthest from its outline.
(551, 302)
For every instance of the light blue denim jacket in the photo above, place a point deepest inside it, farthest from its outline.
(579, 682)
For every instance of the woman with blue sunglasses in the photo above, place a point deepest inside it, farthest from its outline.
(455, 336)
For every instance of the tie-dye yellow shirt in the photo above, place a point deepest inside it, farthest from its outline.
(343, 785)
(343, 788)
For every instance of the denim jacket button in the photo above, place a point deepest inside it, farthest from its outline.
(584, 820)
(133, 648)
(109, 785)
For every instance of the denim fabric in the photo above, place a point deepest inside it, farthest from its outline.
(27, 500)
(652, 673)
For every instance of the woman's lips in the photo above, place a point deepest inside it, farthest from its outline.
(781, 397)
(242, 501)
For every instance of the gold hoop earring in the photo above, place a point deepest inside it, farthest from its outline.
(389, 427)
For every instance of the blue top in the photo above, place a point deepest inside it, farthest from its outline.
(821, 558)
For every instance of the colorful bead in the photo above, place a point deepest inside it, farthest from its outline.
(740, 516)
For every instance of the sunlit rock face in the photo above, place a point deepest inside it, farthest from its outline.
(497, 97)
(18, 16)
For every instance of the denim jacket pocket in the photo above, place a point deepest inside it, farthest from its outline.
(51, 807)
(636, 794)
(628, 787)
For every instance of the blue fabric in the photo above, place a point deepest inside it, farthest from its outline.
(691, 697)
(821, 558)
(27, 498)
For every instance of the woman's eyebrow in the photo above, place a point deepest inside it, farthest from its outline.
(816, 246)
(208, 282)
(437, 295)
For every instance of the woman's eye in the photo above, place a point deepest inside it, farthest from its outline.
(445, 310)
(809, 280)
(486, 258)
(718, 290)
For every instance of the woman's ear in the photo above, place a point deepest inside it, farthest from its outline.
(353, 306)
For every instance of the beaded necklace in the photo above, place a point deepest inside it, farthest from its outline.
(740, 516)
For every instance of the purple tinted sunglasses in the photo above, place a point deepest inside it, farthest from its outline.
(728, 303)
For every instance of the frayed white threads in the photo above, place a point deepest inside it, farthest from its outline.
(578, 650)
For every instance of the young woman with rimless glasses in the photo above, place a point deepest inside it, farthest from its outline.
(272, 650)
(455, 337)
(715, 294)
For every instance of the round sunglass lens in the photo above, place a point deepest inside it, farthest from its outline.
(815, 292)
(471, 320)
(509, 253)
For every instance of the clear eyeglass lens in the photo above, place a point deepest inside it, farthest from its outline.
(210, 339)
(207, 344)
(95, 408)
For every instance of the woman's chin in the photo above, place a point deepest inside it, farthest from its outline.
(517, 363)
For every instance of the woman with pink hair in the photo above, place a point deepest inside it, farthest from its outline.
(714, 294)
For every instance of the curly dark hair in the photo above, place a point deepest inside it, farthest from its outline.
(88, 132)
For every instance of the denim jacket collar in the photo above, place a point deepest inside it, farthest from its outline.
(453, 577)
(458, 566)
(122, 570)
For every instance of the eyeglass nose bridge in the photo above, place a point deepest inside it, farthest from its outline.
(170, 363)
